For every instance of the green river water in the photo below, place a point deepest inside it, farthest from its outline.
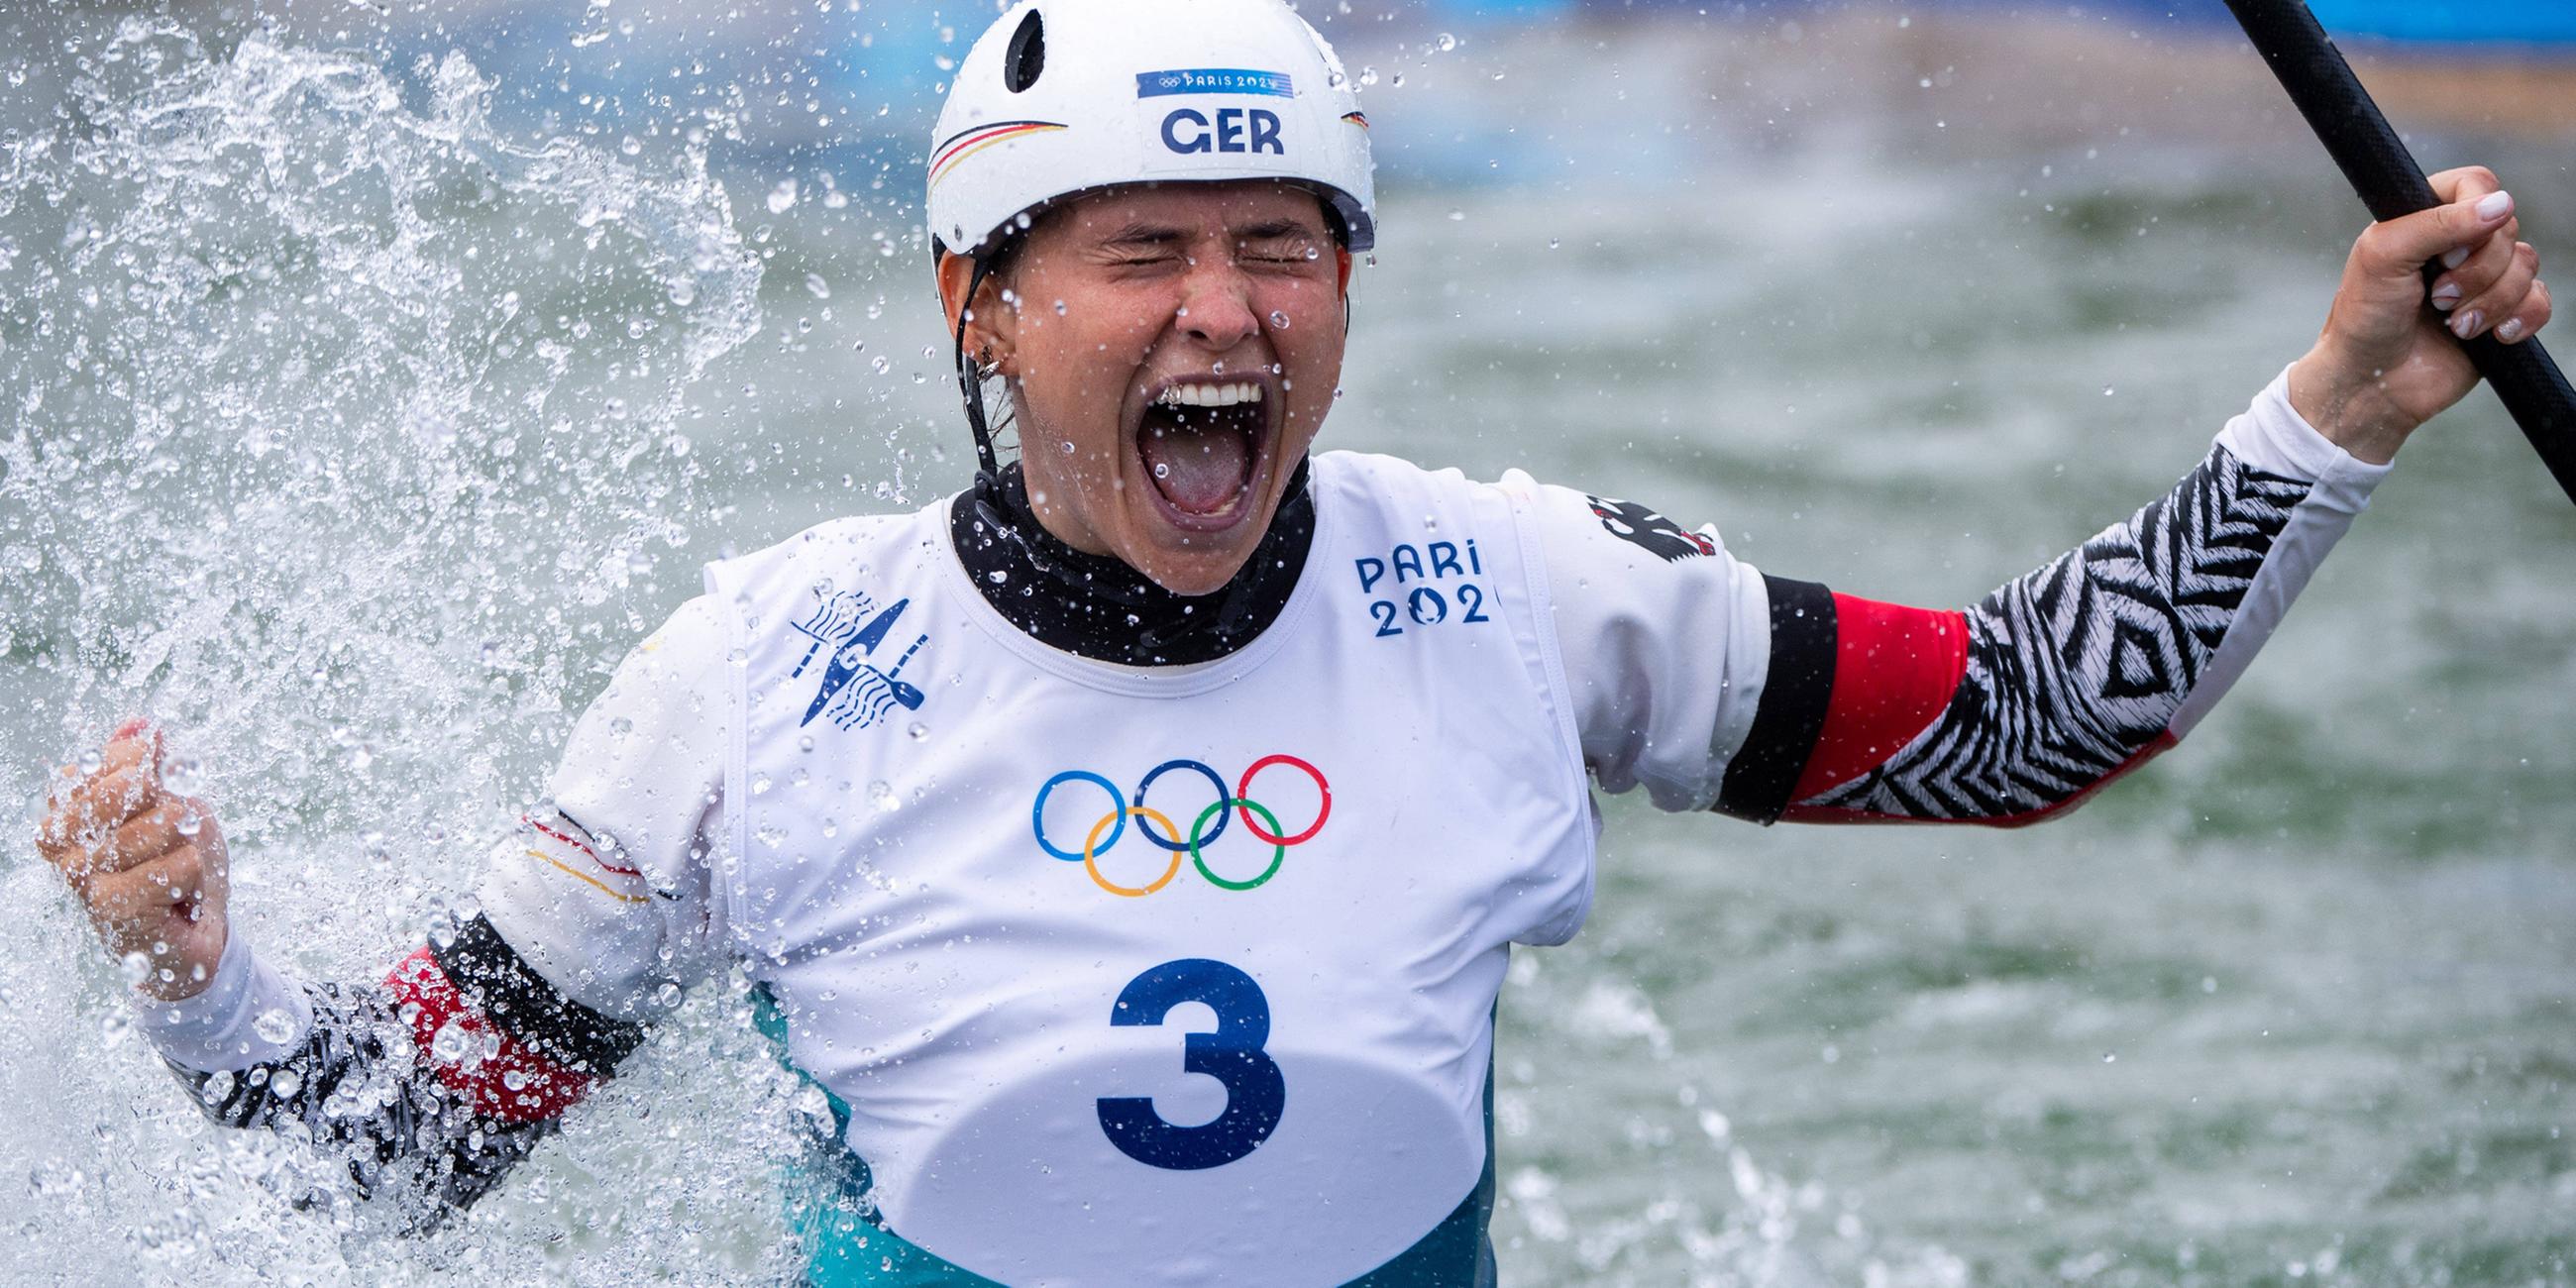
(1901, 303)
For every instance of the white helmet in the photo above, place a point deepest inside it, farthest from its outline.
(1064, 96)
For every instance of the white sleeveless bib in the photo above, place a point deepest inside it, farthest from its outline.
(1130, 976)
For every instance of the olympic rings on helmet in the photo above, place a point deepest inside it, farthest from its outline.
(1112, 825)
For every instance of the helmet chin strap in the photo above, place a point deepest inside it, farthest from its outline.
(970, 381)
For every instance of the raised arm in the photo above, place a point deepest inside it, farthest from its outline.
(1827, 707)
(2057, 682)
(1715, 686)
(435, 1081)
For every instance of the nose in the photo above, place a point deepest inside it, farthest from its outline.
(1216, 306)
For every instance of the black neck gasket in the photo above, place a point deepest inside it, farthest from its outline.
(1097, 607)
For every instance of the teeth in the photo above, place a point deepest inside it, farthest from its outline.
(1199, 395)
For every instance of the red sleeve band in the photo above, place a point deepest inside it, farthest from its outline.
(1895, 671)
(510, 1081)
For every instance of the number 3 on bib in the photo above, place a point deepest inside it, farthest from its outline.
(1255, 1093)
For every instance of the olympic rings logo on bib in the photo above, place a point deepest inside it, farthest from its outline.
(1222, 812)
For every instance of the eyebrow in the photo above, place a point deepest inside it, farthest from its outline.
(1142, 233)
(1272, 229)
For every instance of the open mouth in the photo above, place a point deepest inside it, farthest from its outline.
(1202, 444)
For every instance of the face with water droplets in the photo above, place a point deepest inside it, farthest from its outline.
(1172, 350)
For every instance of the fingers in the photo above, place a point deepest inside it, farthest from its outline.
(2502, 298)
(115, 815)
(2533, 315)
(2399, 248)
(2479, 269)
(2466, 183)
(96, 809)
(149, 835)
(137, 894)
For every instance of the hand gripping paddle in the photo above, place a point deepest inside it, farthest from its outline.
(2375, 161)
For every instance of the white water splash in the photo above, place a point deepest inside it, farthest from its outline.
(334, 420)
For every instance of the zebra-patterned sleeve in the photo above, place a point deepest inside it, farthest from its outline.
(429, 1087)
(2056, 683)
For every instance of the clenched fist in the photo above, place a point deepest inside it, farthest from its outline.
(148, 864)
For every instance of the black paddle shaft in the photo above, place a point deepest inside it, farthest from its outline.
(2375, 161)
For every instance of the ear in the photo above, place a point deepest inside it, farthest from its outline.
(1342, 259)
(989, 331)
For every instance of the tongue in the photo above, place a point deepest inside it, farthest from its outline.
(1199, 468)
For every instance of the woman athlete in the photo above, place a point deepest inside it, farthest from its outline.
(1132, 844)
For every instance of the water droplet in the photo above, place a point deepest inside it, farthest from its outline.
(1279, 319)
(2106, 391)
(881, 794)
(285, 1083)
(814, 283)
(918, 731)
(274, 1026)
(1162, 470)
(759, 784)
(179, 775)
(451, 1043)
(134, 968)
(1445, 43)
(89, 762)
(189, 823)
(668, 995)
(1059, 308)
(782, 196)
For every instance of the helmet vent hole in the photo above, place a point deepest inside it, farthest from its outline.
(1027, 54)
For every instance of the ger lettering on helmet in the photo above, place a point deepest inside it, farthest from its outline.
(1063, 97)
